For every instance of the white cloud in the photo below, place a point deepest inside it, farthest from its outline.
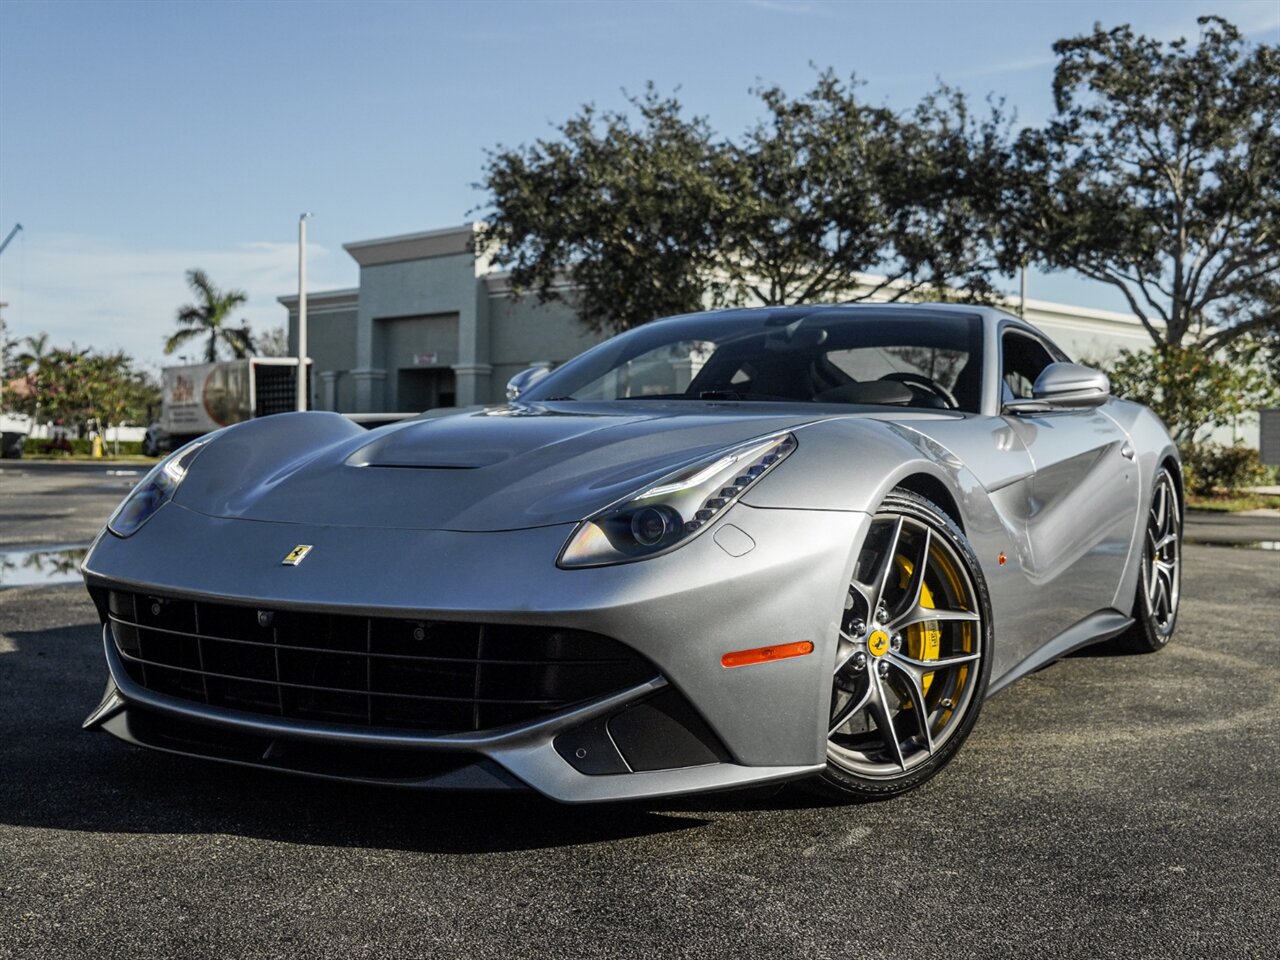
(792, 7)
(102, 293)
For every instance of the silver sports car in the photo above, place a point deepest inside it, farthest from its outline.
(722, 549)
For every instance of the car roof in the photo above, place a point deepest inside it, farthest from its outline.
(869, 310)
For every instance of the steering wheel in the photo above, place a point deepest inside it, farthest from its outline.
(932, 386)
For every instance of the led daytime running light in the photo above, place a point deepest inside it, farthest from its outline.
(154, 491)
(675, 509)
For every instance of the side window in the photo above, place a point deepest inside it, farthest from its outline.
(1024, 358)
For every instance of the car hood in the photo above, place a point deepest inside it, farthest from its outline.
(504, 468)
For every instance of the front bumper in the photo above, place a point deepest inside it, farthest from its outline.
(682, 612)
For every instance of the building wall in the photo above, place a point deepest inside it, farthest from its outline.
(331, 345)
(523, 333)
(1088, 335)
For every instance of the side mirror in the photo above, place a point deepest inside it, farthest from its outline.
(526, 378)
(1071, 385)
(1064, 386)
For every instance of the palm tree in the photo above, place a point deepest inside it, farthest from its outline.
(35, 353)
(208, 317)
(33, 361)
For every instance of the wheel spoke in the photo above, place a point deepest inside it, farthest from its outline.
(916, 692)
(884, 722)
(919, 565)
(885, 570)
(912, 665)
(843, 661)
(1159, 510)
(850, 709)
(919, 614)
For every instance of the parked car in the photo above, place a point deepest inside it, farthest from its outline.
(156, 441)
(729, 548)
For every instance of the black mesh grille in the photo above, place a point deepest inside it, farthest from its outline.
(421, 675)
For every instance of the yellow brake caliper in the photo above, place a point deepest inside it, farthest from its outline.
(924, 640)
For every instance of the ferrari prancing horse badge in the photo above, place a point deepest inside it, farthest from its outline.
(296, 555)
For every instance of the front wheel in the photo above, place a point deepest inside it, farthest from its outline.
(913, 659)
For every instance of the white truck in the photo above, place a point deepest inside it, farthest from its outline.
(14, 428)
(202, 397)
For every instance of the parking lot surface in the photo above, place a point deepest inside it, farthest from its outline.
(1107, 806)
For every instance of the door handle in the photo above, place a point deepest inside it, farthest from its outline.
(1126, 450)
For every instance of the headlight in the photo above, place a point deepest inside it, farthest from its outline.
(156, 489)
(676, 508)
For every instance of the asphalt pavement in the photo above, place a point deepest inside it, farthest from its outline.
(1108, 806)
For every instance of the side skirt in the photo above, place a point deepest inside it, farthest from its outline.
(1094, 628)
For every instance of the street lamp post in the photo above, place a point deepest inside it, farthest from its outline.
(302, 311)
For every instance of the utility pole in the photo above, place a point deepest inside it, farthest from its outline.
(302, 311)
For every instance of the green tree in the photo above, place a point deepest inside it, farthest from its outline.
(115, 392)
(808, 186)
(64, 385)
(209, 318)
(30, 364)
(828, 189)
(1159, 174)
(635, 219)
(614, 214)
(1194, 391)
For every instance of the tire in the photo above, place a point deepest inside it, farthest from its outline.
(880, 682)
(1155, 601)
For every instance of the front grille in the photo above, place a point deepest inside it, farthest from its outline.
(421, 675)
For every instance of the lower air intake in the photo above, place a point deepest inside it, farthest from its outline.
(417, 675)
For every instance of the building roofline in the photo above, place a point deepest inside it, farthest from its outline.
(449, 241)
(323, 299)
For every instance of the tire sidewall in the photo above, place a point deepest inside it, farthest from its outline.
(1144, 620)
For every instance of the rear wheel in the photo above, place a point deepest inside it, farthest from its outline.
(914, 653)
(1155, 604)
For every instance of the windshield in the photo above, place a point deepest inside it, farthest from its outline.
(919, 358)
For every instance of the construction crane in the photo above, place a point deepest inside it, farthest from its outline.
(12, 233)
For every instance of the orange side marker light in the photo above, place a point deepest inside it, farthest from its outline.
(781, 651)
(1003, 559)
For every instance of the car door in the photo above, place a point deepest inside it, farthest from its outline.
(1082, 498)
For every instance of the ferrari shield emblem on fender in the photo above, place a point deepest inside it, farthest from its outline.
(296, 555)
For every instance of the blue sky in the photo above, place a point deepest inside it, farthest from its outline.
(140, 139)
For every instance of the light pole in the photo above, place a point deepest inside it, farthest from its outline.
(302, 311)
(1022, 301)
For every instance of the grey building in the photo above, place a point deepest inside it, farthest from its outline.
(430, 325)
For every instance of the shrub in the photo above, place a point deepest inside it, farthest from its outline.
(1191, 391)
(1218, 468)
